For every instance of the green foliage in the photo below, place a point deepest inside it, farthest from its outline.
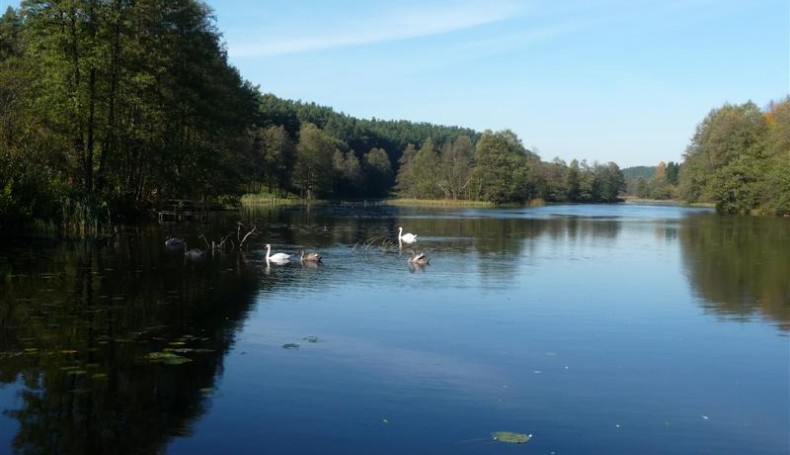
(498, 169)
(553, 177)
(642, 189)
(501, 168)
(454, 174)
(84, 216)
(672, 175)
(124, 102)
(738, 160)
(634, 172)
(424, 165)
(130, 103)
(378, 172)
(313, 171)
(611, 182)
(349, 180)
(775, 188)
(573, 182)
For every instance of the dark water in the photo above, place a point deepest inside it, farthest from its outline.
(597, 329)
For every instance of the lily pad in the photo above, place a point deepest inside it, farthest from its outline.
(178, 350)
(510, 437)
(168, 358)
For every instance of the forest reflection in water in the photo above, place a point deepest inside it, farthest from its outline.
(79, 321)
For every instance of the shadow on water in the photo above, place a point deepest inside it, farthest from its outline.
(740, 266)
(79, 323)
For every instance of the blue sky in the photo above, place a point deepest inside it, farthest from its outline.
(609, 80)
(613, 80)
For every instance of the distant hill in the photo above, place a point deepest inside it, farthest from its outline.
(633, 173)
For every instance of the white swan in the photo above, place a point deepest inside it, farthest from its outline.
(194, 253)
(408, 237)
(276, 257)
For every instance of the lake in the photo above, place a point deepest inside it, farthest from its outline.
(619, 329)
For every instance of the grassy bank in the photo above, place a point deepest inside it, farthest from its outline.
(668, 201)
(270, 199)
(437, 203)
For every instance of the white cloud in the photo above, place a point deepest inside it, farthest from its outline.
(374, 27)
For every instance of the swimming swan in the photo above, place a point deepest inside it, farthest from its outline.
(408, 237)
(194, 253)
(174, 243)
(420, 259)
(276, 257)
(310, 257)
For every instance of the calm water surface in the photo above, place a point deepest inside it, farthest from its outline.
(597, 329)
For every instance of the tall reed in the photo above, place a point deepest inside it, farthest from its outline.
(84, 216)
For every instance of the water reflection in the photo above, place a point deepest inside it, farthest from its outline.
(78, 322)
(76, 325)
(740, 265)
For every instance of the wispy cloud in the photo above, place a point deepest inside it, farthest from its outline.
(374, 27)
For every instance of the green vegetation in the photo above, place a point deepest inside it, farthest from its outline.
(739, 159)
(411, 202)
(115, 105)
(653, 182)
(510, 437)
(312, 151)
(109, 108)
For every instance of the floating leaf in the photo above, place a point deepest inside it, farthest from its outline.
(168, 358)
(178, 350)
(290, 346)
(511, 438)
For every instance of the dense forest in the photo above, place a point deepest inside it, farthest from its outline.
(109, 107)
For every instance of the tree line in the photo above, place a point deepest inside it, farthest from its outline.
(739, 159)
(108, 107)
(653, 182)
